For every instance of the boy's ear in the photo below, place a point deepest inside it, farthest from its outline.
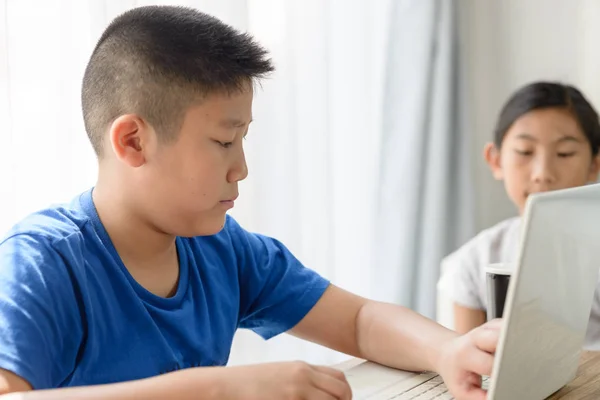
(492, 156)
(594, 169)
(129, 137)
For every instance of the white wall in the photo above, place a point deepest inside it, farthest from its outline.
(508, 43)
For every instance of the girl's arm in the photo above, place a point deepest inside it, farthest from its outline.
(467, 319)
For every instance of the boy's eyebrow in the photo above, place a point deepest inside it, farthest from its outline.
(235, 123)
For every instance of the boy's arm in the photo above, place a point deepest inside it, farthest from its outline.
(398, 337)
(385, 333)
(183, 384)
(283, 381)
(10, 382)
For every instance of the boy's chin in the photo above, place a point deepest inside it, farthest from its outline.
(204, 228)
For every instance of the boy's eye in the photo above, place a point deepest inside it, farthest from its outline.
(566, 154)
(225, 145)
(523, 152)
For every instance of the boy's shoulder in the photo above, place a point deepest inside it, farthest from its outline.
(236, 239)
(50, 225)
(495, 244)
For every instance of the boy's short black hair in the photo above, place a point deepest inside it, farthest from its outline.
(542, 94)
(156, 61)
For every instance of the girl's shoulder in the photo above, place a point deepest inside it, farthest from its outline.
(498, 243)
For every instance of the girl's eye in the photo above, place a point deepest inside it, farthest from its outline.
(566, 155)
(524, 152)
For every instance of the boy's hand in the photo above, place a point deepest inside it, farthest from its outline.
(284, 381)
(465, 359)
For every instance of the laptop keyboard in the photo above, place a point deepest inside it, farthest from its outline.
(432, 389)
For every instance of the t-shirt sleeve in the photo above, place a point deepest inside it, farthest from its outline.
(276, 290)
(459, 280)
(39, 320)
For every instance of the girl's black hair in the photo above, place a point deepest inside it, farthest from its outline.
(539, 95)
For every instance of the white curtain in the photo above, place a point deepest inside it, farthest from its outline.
(425, 207)
(353, 83)
(313, 151)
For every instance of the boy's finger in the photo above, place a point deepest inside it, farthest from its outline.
(475, 393)
(479, 362)
(335, 373)
(486, 339)
(332, 385)
(470, 388)
(495, 324)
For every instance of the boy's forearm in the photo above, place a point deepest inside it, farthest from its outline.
(400, 338)
(183, 384)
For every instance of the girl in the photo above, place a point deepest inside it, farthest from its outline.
(547, 138)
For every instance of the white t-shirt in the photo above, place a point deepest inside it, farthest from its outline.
(463, 279)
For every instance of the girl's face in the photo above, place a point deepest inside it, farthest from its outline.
(543, 150)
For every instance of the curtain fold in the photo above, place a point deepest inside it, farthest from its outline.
(424, 193)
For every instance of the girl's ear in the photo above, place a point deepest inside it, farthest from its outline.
(594, 169)
(492, 156)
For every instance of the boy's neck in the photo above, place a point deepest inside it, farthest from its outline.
(136, 240)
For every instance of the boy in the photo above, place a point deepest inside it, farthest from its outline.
(135, 289)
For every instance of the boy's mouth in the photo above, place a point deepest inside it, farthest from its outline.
(229, 203)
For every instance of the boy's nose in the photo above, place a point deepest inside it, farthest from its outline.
(239, 170)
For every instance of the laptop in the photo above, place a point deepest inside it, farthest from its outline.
(546, 313)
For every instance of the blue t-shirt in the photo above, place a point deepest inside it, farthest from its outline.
(71, 314)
